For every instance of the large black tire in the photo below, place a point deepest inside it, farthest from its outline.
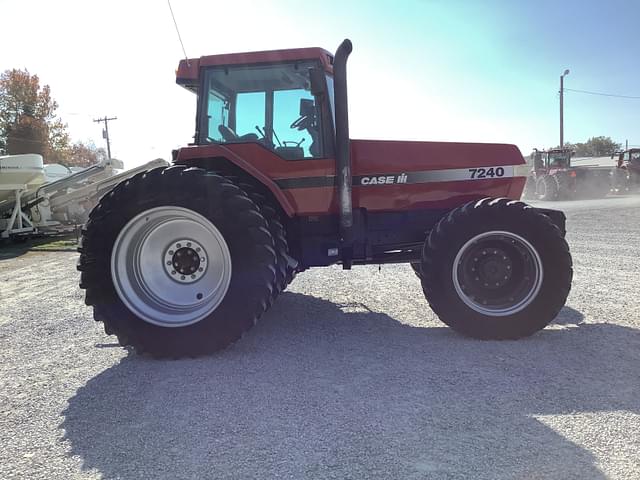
(564, 186)
(236, 217)
(452, 236)
(285, 265)
(547, 188)
(417, 269)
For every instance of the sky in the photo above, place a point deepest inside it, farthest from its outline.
(436, 70)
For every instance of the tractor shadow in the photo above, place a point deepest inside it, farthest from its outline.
(319, 390)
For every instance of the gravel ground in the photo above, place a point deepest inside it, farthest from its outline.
(350, 375)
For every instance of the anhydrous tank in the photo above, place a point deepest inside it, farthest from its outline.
(21, 169)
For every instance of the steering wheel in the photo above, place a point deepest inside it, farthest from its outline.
(301, 122)
(228, 134)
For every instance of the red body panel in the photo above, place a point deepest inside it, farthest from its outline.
(370, 157)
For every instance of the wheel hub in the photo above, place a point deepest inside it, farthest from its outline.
(497, 273)
(171, 266)
(493, 267)
(185, 261)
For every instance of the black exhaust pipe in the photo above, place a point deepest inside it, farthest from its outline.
(343, 155)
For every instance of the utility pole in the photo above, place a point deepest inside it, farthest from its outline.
(626, 144)
(105, 132)
(566, 72)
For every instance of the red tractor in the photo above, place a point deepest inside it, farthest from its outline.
(181, 261)
(627, 172)
(553, 177)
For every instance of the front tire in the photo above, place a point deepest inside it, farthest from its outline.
(496, 269)
(177, 262)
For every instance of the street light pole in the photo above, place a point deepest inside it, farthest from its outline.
(566, 72)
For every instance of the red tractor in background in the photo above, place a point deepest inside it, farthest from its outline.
(181, 261)
(553, 177)
(626, 177)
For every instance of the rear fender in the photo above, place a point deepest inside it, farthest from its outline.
(213, 155)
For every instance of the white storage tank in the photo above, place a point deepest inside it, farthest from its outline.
(21, 169)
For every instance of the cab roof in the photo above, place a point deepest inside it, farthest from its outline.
(188, 70)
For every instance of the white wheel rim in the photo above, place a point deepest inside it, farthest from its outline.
(530, 284)
(171, 266)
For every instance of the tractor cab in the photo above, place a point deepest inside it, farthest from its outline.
(282, 100)
(629, 158)
(557, 158)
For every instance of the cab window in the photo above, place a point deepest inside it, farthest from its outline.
(268, 104)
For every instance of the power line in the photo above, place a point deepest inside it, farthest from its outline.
(602, 94)
(178, 32)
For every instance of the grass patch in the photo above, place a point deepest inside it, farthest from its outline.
(54, 245)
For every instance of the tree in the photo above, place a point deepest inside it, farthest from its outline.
(84, 155)
(594, 147)
(28, 122)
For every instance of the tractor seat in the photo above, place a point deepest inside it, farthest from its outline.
(230, 135)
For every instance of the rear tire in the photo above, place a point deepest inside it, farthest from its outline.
(285, 272)
(564, 187)
(417, 269)
(547, 188)
(496, 269)
(153, 327)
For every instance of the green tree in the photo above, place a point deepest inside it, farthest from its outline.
(594, 147)
(601, 146)
(28, 122)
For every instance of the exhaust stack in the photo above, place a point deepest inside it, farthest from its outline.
(343, 154)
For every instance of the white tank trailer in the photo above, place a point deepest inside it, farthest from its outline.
(45, 199)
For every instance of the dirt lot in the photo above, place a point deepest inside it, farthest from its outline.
(350, 375)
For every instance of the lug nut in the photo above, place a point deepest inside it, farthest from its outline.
(197, 249)
(193, 276)
(182, 277)
(188, 244)
(173, 272)
(200, 269)
(178, 245)
(170, 252)
(169, 262)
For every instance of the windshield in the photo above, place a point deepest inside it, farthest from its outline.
(559, 158)
(270, 104)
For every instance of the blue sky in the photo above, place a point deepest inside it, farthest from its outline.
(431, 70)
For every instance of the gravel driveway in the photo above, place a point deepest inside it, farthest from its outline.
(350, 375)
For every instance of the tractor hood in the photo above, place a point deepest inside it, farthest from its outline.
(371, 157)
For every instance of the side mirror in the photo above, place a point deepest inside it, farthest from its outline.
(317, 80)
(307, 108)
